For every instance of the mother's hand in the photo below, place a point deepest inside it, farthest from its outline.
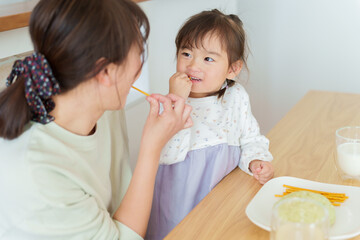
(160, 127)
(135, 207)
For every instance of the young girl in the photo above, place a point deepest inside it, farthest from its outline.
(210, 54)
(64, 171)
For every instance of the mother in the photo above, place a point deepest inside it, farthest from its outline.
(64, 171)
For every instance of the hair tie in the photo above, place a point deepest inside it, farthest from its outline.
(40, 85)
(225, 85)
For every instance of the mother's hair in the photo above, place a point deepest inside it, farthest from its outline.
(78, 38)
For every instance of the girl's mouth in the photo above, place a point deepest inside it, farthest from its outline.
(195, 79)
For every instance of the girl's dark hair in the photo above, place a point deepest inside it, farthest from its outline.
(229, 30)
(78, 38)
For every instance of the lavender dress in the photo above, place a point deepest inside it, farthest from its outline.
(225, 135)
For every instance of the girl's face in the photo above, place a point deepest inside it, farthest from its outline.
(207, 66)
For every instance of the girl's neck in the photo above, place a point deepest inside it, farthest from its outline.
(76, 112)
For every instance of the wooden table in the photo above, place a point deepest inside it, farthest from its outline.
(302, 144)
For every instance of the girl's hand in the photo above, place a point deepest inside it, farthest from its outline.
(263, 171)
(159, 128)
(180, 84)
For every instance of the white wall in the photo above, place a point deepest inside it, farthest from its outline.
(18, 40)
(3, 2)
(14, 42)
(298, 45)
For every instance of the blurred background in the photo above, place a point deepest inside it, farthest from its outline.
(296, 46)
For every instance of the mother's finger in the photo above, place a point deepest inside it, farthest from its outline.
(188, 123)
(179, 103)
(186, 112)
(166, 101)
(154, 106)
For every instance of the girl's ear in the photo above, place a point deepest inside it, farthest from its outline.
(234, 69)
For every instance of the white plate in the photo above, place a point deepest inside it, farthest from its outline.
(347, 222)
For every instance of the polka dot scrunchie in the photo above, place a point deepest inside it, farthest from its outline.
(40, 85)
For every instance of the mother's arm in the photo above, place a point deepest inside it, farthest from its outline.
(134, 210)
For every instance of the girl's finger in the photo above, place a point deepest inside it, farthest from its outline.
(183, 75)
(175, 75)
(266, 166)
(174, 97)
(267, 176)
(263, 180)
(266, 171)
(255, 165)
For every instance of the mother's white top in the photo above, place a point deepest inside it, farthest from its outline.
(58, 185)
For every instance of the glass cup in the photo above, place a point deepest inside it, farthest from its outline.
(299, 219)
(348, 152)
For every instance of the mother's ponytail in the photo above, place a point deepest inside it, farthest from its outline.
(14, 110)
(31, 84)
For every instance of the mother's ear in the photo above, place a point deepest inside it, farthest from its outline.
(234, 69)
(106, 77)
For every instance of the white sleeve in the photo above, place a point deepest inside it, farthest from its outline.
(253, 145)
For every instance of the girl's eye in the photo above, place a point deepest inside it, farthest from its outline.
(185, 54)
(209, 59)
